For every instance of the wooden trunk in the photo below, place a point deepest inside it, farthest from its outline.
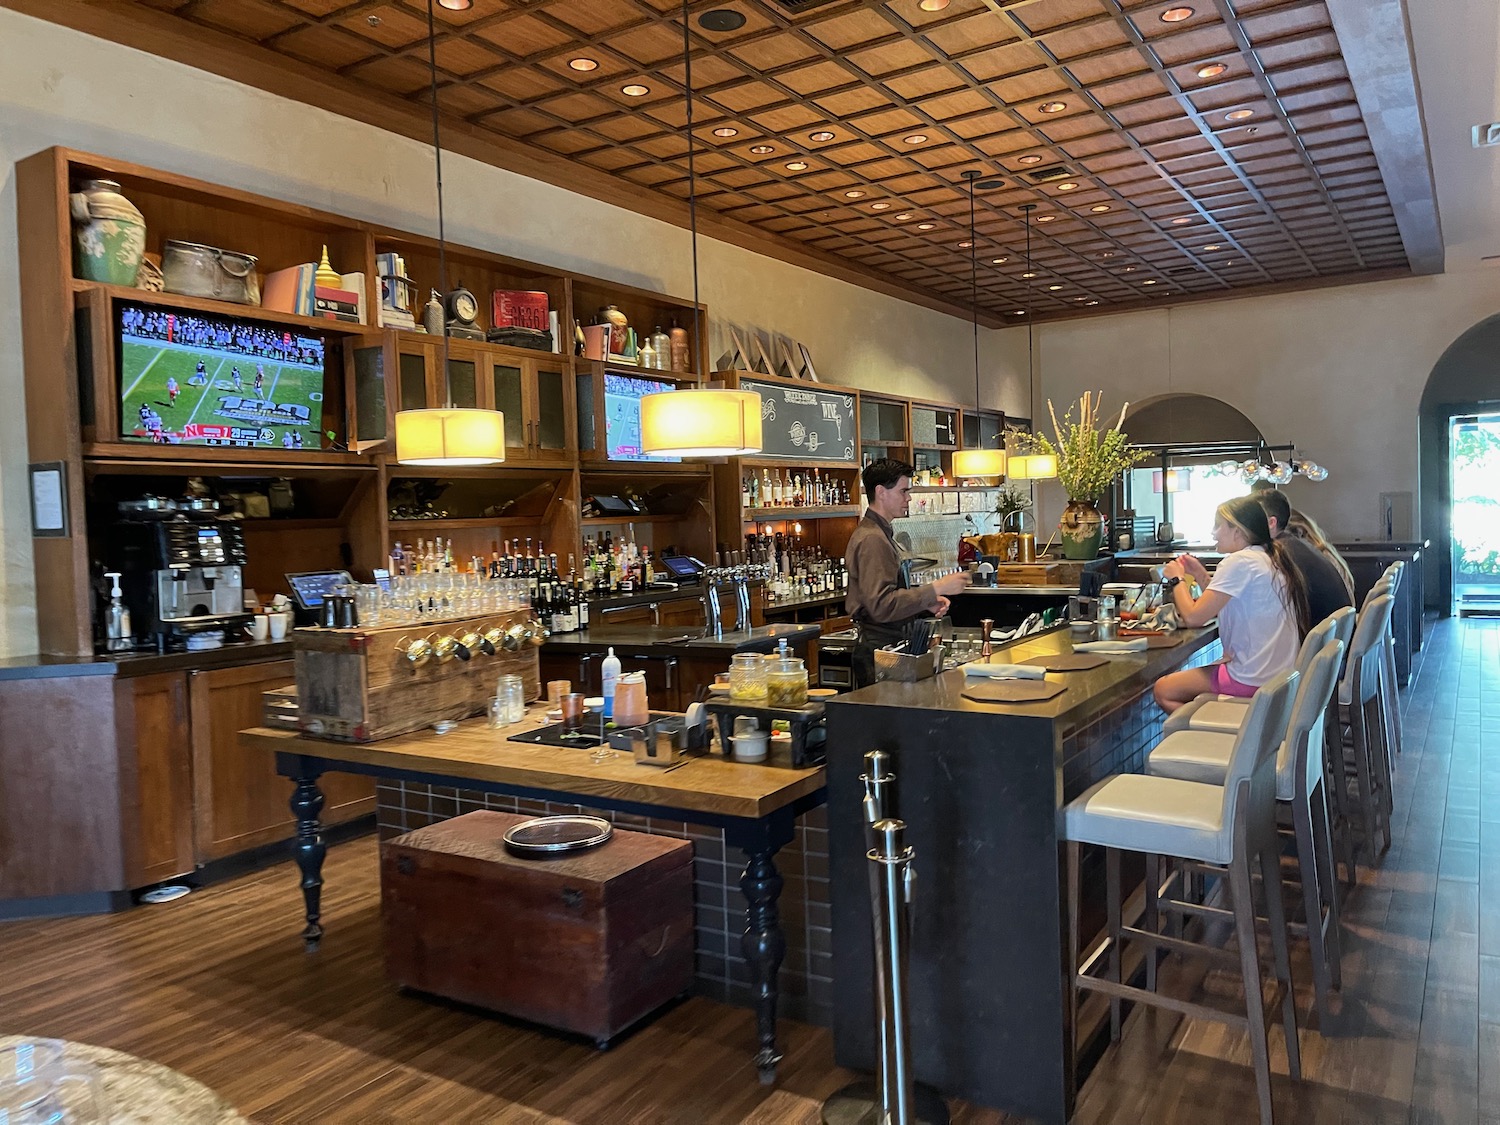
(1047, 572)
(355, 685)
(588, 943)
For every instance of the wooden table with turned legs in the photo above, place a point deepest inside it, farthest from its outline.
(756, 807)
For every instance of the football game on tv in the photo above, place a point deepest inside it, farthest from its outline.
(201, 379)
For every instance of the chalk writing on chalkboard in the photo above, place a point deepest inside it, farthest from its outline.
(798, 424)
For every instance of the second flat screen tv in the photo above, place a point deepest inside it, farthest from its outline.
(622, 416)
(189, 378)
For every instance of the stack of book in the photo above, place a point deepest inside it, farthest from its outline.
(395, 292)
(295, 290)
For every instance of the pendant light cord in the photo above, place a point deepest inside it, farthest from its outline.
(437, 152)
(687, 67)
(974, 298)
(1030, 342)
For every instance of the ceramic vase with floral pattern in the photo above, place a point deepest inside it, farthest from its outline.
(109, 233)
(1081, 530)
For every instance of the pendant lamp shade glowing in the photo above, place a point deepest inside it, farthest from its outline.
(980, 464)
(447, 436)
(450, 436)
(1033, 466)
(711, 422)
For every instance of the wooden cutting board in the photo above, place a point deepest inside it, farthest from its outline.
(1011, 691)
(1067, 661)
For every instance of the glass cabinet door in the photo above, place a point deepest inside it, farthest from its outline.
(551, 411)
(509, 399)
(463, 382)
(369, 394)
(412, 368)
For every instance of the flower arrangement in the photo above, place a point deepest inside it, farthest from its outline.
(1009, 502)
(1089, 458)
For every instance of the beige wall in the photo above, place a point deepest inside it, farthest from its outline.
(1339, 372)
(61, 87)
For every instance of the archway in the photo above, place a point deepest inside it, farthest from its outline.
(1187, 419)
(1465, 380)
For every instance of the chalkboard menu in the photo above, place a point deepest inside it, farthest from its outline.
(801, 424)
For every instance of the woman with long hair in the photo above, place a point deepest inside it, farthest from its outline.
(1257, 594)
(1305, 527)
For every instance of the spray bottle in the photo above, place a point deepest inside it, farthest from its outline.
(610, 675)
(118, 636)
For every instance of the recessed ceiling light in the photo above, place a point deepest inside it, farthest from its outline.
(1212, 70)
(1128, 269)
(1032, 159)
(933, 5)
(998, 261)
(965, 245)
(635, 90)
(1099, 208)
(1109, 254)
(1093, 302)
(882, 206)
(721, 19)
(726, 131)
(1177, 222)
(1239, 115)
(1028, 274)
(915, 138)
(855, 194)
(1148, 283)
(1080, 298)
(820, 135)
(796, 166)
(761, 150)
(456, 5)
(925, 226)
(582, 64)
(1067, 187)
(1019, 312)
(901, 218)
(1176, 15)
(1052, 107)
(1045, 218)
(1214, 246)
(1053, 288)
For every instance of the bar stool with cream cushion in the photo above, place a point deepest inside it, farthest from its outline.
(1223, 714)
(1230, 828)
(1203, 756)
(1364, 750)
(1394, 575)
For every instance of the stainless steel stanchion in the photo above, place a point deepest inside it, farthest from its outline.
(893, 1098)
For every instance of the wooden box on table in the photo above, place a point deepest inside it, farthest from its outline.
(357, 685)
(587, 942)
(1043, 572)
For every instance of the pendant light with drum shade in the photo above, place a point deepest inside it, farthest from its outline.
(702, 421)
(447, 436)
(1031, 465)
(987, 465)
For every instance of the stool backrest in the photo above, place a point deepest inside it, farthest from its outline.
(1252, 759)
(1312, 644)
(1343, 625)
(1367, 650)
(1385, 586)
(1303, 748)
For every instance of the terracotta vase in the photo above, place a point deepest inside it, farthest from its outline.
(1081, 530)
(109, 233)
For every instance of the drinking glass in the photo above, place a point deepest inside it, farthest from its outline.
(40, 1086)
(571, 704)
(512, 693)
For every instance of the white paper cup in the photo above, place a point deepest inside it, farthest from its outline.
(260, 627)
(279, 623)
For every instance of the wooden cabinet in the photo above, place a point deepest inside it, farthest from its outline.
(163, 805)
(536, 390)
(239, 800)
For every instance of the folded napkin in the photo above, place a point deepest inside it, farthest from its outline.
(1005, 671)
(1138, 644)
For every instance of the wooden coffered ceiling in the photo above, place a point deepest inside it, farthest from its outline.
(1167, 158)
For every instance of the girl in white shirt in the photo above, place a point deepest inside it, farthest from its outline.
(1259, 598)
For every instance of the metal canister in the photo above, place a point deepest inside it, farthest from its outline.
(1026, 548)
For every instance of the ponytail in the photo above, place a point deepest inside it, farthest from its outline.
(1245, 513)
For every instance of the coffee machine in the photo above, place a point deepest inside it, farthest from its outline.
(180, 572)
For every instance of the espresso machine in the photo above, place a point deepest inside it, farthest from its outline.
(180, 572)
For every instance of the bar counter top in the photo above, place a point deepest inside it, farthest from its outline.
(679, 641)
(46, 666)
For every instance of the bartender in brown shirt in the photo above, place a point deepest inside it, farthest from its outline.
(877, 599)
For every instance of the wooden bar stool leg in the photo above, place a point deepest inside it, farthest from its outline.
(1307, 863)
(1255, 1000)
(1270, 873)
(1112, 894)
(1327, 885)
(1152, 921)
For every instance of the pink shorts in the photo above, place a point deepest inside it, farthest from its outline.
(1225, 684)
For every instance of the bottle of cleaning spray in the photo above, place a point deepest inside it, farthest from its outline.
(118, 636)
(610, 674)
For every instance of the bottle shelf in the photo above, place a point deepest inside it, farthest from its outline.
(765, 515)
(621, 521)
(460, 524)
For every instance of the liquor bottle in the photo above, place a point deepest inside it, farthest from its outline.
(581, 601)
(398, 559)
(745, 501)
(559, 602)
(766, 497)
(817, 490)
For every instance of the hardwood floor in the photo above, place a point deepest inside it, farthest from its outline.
(216, 986)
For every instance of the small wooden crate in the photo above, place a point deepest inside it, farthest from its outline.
(589, 942)
(1046, 572)
(354, 685)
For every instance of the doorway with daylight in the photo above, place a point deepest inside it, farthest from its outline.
(1474, 492)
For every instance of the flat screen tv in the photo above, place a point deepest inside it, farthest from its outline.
(622, 416)
(190, 378)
